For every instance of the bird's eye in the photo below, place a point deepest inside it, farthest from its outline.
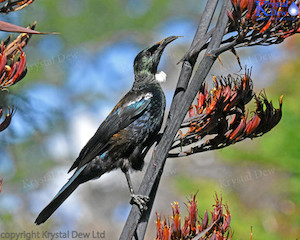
(148, 54)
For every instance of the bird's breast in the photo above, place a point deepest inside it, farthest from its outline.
(150, 121)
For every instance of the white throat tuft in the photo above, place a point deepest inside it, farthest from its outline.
(161, 76)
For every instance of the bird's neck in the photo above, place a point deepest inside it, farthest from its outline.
(143, 74)
(142, 78)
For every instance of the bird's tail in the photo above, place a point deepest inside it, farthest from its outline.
(60, 197)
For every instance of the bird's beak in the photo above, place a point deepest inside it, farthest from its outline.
(163, 43)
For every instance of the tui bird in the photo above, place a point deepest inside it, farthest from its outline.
(125, 136)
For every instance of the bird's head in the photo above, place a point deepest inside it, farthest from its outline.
(146, 62)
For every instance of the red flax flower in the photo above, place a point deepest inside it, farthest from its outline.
(12, 70)
(13, 60)
(219, 118)
(263, 22)
(217, 228)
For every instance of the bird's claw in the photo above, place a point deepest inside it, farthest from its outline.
(140, 200)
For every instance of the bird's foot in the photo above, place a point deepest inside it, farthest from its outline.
(140, 200)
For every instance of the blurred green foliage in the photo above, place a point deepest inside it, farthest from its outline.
(280, 147)
(93, 20)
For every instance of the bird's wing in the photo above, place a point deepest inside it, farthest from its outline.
(124, 113)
